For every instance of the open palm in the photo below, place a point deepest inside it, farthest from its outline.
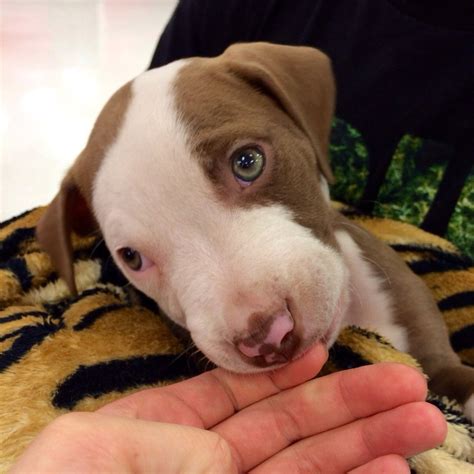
(362, 420)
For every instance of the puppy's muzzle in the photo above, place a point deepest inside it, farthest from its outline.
(272, 340)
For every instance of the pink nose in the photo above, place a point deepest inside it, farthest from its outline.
(273, 340)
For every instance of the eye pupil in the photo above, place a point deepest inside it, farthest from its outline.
(246, 160)
(248, 163)
(129, 254)
(131, 257)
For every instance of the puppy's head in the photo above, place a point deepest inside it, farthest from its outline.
(208, 180)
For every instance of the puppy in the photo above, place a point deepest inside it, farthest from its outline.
(208, 179)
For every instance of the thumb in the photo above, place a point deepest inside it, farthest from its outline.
(92, 442)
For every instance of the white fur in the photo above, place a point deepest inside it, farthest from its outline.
(370, 305)
(215, 264)
(469, 408)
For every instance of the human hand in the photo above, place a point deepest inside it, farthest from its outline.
(365, 420)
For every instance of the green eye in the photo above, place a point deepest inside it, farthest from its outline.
(248, 163)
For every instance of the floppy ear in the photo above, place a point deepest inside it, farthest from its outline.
(67, 212)
(71, 209)
(300, 79)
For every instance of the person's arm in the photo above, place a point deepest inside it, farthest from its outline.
(207, 27)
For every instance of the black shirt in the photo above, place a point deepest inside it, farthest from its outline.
(405, 80)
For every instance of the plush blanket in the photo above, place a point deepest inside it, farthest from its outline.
(60, 353)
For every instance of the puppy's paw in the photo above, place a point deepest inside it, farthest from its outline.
(469, 408)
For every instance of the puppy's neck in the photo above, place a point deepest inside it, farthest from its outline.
(370, 299)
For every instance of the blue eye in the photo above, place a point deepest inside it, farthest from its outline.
(248, 163)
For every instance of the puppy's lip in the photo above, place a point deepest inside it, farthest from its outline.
(315, 341)
(262, 362)
(331, 330)
(335, 325)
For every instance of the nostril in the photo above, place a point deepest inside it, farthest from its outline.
(286, 338)
(281, 326)
(249, 350)
(270, 336)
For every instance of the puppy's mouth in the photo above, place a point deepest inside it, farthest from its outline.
(271, 357)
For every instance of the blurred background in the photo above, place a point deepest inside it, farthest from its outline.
(59, 63)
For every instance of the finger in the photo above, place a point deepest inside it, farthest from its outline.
(207, 399)
(92, 442)
(318, 406)
(405, 431)
(390, 464)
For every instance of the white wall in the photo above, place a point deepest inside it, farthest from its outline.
(59, 62)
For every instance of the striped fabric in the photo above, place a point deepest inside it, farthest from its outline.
(59, 353)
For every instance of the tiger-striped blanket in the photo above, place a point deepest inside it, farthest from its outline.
(60, 353)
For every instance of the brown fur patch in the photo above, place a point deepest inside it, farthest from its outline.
(105, 131)
(250, 95)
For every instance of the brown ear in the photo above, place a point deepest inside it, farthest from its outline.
(70, 211)
(300, 79)
(67, 212)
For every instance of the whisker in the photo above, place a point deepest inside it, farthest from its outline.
(354, 291)
(353, 226)
(184, 352)
(205, 360)
(96, 246)
(207, 365)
